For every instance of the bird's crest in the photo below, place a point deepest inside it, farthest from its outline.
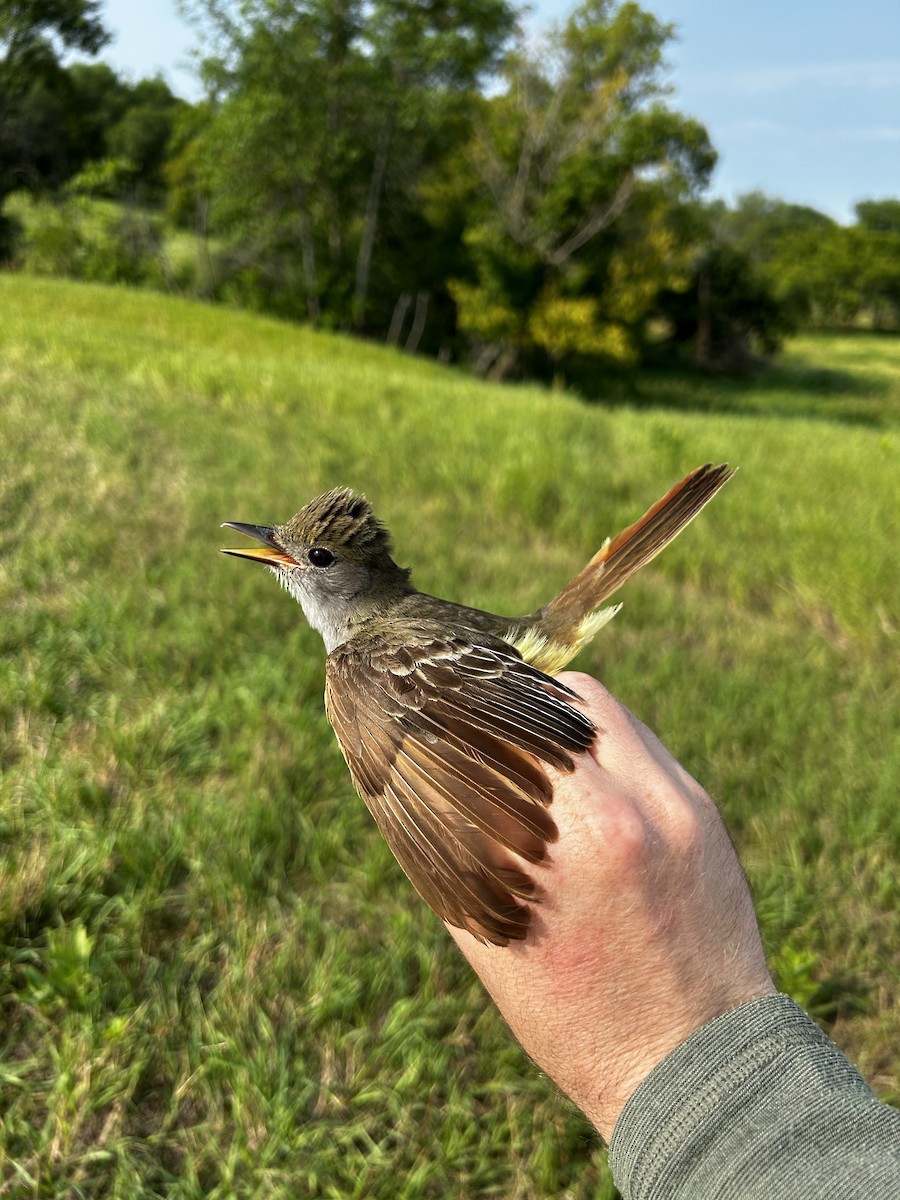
(340, 518)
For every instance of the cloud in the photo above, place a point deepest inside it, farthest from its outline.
(877, 133)
(752, 128)
(879, 75)
(758, 127)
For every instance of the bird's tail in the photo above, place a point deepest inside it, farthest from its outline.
(571, 618)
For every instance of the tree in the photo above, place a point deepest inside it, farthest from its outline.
(822, 273)
(758, 222)
(773, 240)
(879, 216)
(96, 99)
(428, 59)
(577, 145)
(32, 33)
(329, 113)
(281, 149)
(728, 315)
(142, 133)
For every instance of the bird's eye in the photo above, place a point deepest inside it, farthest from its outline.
(320, 557)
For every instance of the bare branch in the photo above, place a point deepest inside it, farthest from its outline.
(596, 224)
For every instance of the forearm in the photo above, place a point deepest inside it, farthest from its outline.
(757, 1103)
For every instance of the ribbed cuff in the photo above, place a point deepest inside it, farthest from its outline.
(756, 1104)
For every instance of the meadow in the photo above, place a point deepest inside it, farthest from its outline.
(214, 981)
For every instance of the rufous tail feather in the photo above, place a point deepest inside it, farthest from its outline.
(571, 619)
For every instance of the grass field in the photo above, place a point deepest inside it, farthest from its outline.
(214, 981)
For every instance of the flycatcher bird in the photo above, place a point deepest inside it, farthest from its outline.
(447, 715)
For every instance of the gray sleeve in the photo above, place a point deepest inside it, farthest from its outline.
(756, 1104)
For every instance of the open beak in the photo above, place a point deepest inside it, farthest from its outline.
(272, 555)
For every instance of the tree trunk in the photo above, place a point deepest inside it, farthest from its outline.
(370, 224)
(204, 258)
(703, 343)
(418, 325)
(310, 274)
(503, 365)
(401, 308)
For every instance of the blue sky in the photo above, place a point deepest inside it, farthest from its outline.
(801, 100)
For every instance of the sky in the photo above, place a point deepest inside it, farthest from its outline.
(801, 100)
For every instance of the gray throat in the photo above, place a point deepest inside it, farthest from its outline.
(331, 617)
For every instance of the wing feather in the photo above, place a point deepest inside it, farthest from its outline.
(453, 881)
(446, 738)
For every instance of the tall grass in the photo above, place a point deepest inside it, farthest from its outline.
(214, 981)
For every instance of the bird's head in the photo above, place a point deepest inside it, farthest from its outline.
(334, 557)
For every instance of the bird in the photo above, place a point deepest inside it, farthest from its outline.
(448, 716)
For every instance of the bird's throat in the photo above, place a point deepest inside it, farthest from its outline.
(337, 615)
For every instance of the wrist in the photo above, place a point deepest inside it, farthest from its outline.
(635, 1064)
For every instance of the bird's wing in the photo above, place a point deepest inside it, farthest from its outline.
(444, 737)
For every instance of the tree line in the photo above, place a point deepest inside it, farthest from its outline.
(425, 174)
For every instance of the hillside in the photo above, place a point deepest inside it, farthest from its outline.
(214, 980)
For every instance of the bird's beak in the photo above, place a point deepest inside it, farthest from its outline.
(272, 555)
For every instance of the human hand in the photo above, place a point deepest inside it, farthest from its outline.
(647, 928)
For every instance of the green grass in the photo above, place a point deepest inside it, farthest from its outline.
(214, 981)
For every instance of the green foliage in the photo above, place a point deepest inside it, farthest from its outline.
(330, 116)
(81, 236)
(357, 178)
(102, 177)
(97, 99)
(33, 85)
(423, 175)
(10, 236)
(879, 216)
(188, 169)
(29, 28)
(579, 165)
(142, 134)
(565, 326)
(727, 313)
(760, 222)
(61, 122)
(214, 980)
(82, 239)
(827, 275)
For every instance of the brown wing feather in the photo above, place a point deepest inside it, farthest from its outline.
(444, 738)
